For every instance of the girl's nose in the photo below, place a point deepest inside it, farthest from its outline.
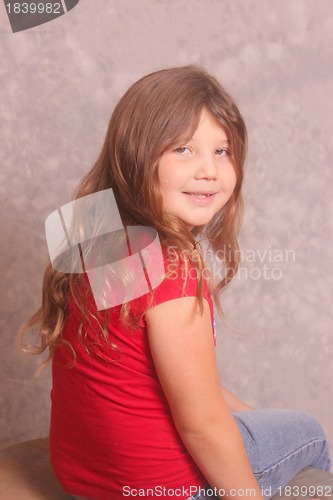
(206, 169)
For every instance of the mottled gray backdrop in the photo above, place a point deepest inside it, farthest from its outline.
(59, 84)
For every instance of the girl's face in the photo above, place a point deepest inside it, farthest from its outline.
(197, 178)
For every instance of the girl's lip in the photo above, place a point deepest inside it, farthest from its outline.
(200, 200)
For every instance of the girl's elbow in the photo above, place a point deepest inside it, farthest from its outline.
(201, 424)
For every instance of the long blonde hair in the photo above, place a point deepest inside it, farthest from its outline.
(150, 117)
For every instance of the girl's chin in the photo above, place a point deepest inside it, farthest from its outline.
(198, 223)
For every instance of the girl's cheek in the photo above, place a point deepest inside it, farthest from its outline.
(230, 181)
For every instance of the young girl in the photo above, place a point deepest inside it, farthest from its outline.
(137, 408)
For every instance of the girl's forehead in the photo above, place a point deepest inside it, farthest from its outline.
(188, 127)
(207, 122)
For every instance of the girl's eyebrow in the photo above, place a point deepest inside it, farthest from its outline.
(225, 142)
(222, 141)
(186, 140)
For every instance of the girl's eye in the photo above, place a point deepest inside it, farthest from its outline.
(182, 150)
(222, 152)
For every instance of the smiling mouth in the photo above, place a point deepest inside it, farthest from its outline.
(200, 195)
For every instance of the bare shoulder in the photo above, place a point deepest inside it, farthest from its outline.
(182, 346)
(179, 322)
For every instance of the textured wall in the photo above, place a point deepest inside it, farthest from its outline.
(59, 83)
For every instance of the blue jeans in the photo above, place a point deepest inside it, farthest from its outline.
(279, 444)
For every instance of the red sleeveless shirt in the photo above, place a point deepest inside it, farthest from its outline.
(112, 435)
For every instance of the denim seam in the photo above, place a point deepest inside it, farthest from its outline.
(315, 442)
(253, 441)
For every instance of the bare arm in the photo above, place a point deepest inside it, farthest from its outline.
(181, 342)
